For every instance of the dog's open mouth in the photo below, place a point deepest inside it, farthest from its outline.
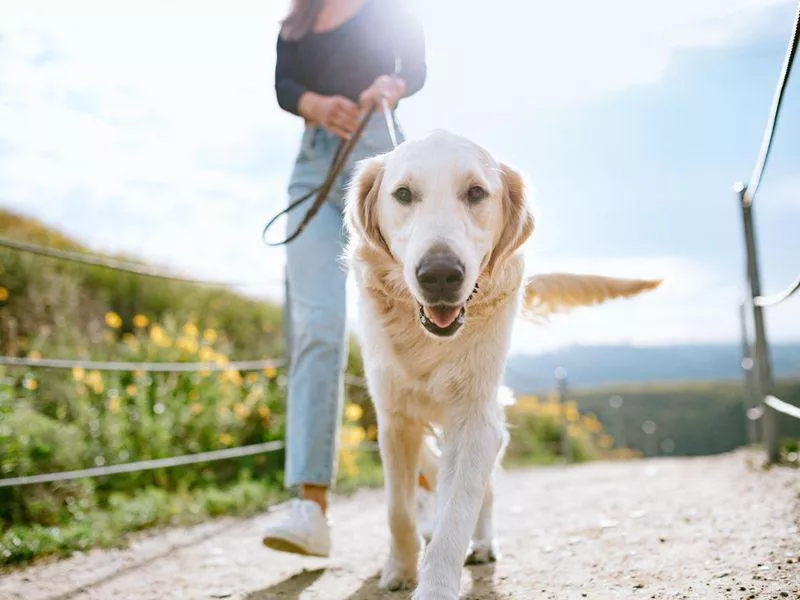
(442, 320)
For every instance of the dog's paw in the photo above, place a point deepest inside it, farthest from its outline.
(422, 593)
(395, 577)
(482, 553)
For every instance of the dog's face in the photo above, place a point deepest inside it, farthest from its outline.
(443, 209)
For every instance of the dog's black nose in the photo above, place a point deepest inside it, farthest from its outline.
(440, 275)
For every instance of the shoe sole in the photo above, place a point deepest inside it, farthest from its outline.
(282, 545)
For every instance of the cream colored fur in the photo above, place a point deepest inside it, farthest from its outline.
(415, 378)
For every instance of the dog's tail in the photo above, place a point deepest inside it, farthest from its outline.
(561, 292)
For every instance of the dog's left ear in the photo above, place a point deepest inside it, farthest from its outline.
(517, 218)
(361, 211)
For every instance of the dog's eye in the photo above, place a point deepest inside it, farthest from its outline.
(403, 195)
(475, 194)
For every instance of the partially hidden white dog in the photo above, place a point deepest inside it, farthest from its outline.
(436, 227)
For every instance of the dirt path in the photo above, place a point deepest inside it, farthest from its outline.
(672, 528)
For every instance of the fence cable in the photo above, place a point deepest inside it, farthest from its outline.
(157, 367)
(151, 367)
(782, 407)
(780, 297)
(769, 133)
(118, 265)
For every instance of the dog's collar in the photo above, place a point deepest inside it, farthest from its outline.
(472, 293)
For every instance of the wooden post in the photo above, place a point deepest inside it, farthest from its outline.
(763, 365)
(566, 441)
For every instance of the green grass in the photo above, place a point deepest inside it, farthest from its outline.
(125, 513)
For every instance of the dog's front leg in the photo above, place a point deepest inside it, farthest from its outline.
(400, 442)
(473, 442)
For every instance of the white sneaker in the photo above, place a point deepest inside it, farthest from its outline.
(426, 513)
(305, 530)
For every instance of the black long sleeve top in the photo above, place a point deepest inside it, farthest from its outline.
(381, 39)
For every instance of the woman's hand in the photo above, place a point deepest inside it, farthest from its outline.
(337, 114)
(386, 86)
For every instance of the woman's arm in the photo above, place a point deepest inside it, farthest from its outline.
(288, 90)
(334, 113)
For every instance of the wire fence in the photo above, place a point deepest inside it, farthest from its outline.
(151, 367)
(159, 463)
(148, 367)
(118, 265)
(756, 360)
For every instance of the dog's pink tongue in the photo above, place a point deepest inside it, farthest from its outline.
(442, 316)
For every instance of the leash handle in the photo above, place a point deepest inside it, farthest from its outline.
(337, 165)
(387, 114)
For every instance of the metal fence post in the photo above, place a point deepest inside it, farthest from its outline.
(750, 397)
(761, 349)
(566, 441)
(616, 402)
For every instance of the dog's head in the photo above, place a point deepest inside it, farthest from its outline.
(445, 212)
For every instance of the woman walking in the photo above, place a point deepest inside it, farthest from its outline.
(335, 59)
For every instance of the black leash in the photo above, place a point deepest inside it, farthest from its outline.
(337, 165)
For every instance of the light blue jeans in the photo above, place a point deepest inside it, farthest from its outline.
(316, 307)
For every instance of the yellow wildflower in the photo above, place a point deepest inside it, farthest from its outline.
(3, 294)
(29, 383)
(591, 424)
(252, 378)
(78, 373)
(138, 373)
(606, 441)
(226, 439)
(353, 412)
(207, 354)
(131, 340)
(113, 405)
(187, 344)
(255, 395)
(232, 376)
(347, 463)
(140, 321)
(573, 416)
(271, 372)
(131, 389)
(196, 408)
(95, 381)
(160, 337)
(210, 335)
(35, 355)
(113, 320)
(220, 359)
(190, 329)
(263, 412)
(241, 411)
(352, 436)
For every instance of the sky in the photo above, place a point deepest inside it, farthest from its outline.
(151, 128)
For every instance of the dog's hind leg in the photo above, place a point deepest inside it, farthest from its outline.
(400, 441)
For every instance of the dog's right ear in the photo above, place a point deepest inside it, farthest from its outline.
(361, 212)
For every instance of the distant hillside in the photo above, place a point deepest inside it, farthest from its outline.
(602, 365)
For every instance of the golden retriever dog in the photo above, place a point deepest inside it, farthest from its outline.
(436, 228)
